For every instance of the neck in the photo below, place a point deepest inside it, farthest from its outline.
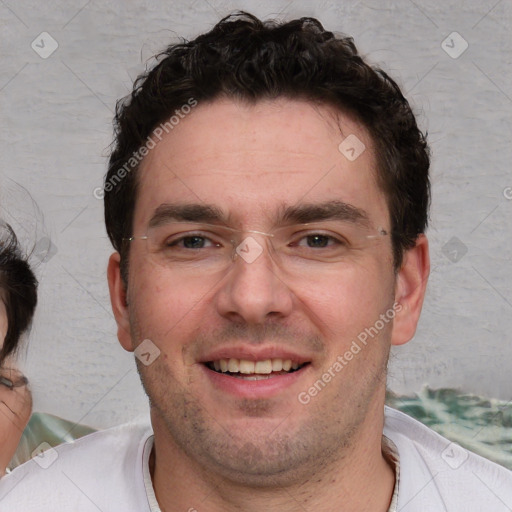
(359, 480)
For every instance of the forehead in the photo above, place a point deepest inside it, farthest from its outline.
(251, 160)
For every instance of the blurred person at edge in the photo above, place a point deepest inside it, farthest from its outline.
(267, 197)
(18, 299)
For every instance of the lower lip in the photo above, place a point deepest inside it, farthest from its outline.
(264, 388)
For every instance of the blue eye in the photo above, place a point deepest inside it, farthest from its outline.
(192, 242)
(318, 240)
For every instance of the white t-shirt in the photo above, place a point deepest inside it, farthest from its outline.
(108, 471)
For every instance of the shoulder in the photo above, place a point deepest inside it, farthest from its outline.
(433, 470)
(82, 475)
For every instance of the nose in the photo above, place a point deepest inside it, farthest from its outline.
(253, 290)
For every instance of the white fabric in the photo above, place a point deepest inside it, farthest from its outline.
(105, 472)
(390, 452)
(438, 476)
(146, 475)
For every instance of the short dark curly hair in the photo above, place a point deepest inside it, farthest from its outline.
(18, 290)
(247, 59)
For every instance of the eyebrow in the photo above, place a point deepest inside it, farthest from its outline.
(300, 214)
(331, 210)
(186, 213)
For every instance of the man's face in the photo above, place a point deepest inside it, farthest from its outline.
(251, 163)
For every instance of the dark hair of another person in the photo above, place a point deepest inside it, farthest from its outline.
(18, 289)
(249, 60)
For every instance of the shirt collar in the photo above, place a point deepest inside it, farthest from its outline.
(390, 453)
(389, 450)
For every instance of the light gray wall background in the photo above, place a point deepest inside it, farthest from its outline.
(56, 126)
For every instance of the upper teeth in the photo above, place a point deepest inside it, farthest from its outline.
(244, 366)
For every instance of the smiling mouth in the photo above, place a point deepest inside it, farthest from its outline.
(254, 370)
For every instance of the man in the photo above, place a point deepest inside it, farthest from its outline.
(267, 198)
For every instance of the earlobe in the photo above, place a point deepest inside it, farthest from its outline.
(411, 284)
(119, 301)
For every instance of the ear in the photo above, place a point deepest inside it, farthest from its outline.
(411, 284)
(119, 301)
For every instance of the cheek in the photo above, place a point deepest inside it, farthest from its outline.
(348, 300)
(163, 310)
